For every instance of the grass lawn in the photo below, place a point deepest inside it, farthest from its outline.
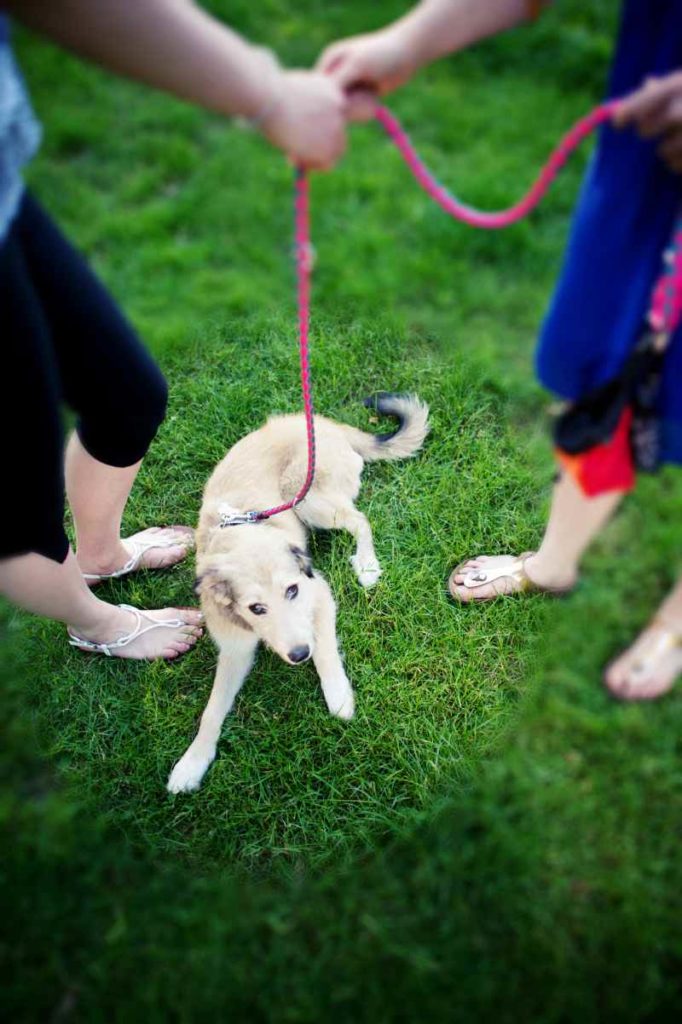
(491, 838)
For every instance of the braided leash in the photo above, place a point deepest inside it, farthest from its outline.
(501, 218)
(303, 256)
(445, 199)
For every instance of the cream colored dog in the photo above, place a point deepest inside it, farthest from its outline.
(256, 580)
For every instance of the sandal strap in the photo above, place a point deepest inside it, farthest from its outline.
(139, 549)
(138, 631)
(481, 577)
(659, 643)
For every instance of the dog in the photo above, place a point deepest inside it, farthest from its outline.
(256, 581)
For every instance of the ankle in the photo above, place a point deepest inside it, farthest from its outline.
(101, 557)
(549, 571)
(101, 623)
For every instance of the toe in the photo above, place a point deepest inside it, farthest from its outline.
(460, 593)
(193, 632)
(190, 616)
(614, 680)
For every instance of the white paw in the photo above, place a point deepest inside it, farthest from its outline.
(188, 772)
(367, 573)
(343, 705)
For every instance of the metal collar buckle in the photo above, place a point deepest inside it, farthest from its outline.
(237, 518)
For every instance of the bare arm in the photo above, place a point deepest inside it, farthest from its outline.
(170, 44)
(176, 46)
(435, 28)
(380, 61)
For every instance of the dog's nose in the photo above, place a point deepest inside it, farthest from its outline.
(299, 654)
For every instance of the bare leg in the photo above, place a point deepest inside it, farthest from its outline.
(97, 495)
(58, 591)
(337, 690)
(574, 522)
(234, 663)
(650, 667)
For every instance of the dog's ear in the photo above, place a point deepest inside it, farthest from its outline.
(303, 560)
(212, 582)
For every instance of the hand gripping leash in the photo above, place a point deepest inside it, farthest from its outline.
(448, 202)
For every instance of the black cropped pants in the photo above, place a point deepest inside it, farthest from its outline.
(63, 342)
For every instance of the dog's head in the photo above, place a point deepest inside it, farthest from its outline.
(266, 586)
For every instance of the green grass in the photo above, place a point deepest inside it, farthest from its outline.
(490, 838)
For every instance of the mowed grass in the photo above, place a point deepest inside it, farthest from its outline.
(490, 838)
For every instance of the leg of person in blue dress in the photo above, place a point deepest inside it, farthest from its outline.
(623, 222)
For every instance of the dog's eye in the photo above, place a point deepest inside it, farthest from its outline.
(258, 609)
(291, 592)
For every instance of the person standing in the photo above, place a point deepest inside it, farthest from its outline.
(64, 341)
(622, 224)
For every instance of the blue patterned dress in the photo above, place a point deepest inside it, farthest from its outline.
(623, 221)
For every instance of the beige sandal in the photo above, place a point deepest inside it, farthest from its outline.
(474, 579)
(661, 642)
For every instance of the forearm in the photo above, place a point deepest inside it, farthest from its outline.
(435, 28)
(169, 44)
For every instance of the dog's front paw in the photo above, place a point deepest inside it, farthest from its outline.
(367, 572)
(188, 772)
(342, 704)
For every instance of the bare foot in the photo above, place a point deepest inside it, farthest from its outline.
(650, 667)
(489, 576)
(130, 633)
(158, 547)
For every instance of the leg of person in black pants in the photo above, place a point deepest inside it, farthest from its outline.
(65, 342)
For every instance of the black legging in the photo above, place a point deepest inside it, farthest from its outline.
(62, 341)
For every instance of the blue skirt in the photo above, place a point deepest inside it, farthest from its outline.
(622, 224)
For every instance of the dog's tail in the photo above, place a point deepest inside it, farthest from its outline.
(413, 426)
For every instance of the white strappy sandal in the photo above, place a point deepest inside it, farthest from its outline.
(138, 545)
(139, 630)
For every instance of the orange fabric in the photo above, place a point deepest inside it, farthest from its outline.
(534, 8)
(606, 467)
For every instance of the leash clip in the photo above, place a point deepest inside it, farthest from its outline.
(238, 518)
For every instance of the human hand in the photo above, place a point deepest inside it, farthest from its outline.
(370, 64)
(307, 119)
(655, 110)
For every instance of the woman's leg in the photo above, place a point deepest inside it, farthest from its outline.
(37, 569)
(574, 522)
(58, 591)
(113, 384)
(97, 494)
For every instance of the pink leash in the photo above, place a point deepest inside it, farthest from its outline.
(467, 214)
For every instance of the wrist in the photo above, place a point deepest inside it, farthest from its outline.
(265, 88)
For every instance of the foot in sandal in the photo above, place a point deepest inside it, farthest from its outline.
(126, 632)
(156, 548)
(487, 577)
(651, 666)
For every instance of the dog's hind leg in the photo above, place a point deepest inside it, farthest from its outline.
(364, 561)
(323, 513)
(338, 693)
(234, 662)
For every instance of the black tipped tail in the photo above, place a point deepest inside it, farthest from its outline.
(408, 437)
